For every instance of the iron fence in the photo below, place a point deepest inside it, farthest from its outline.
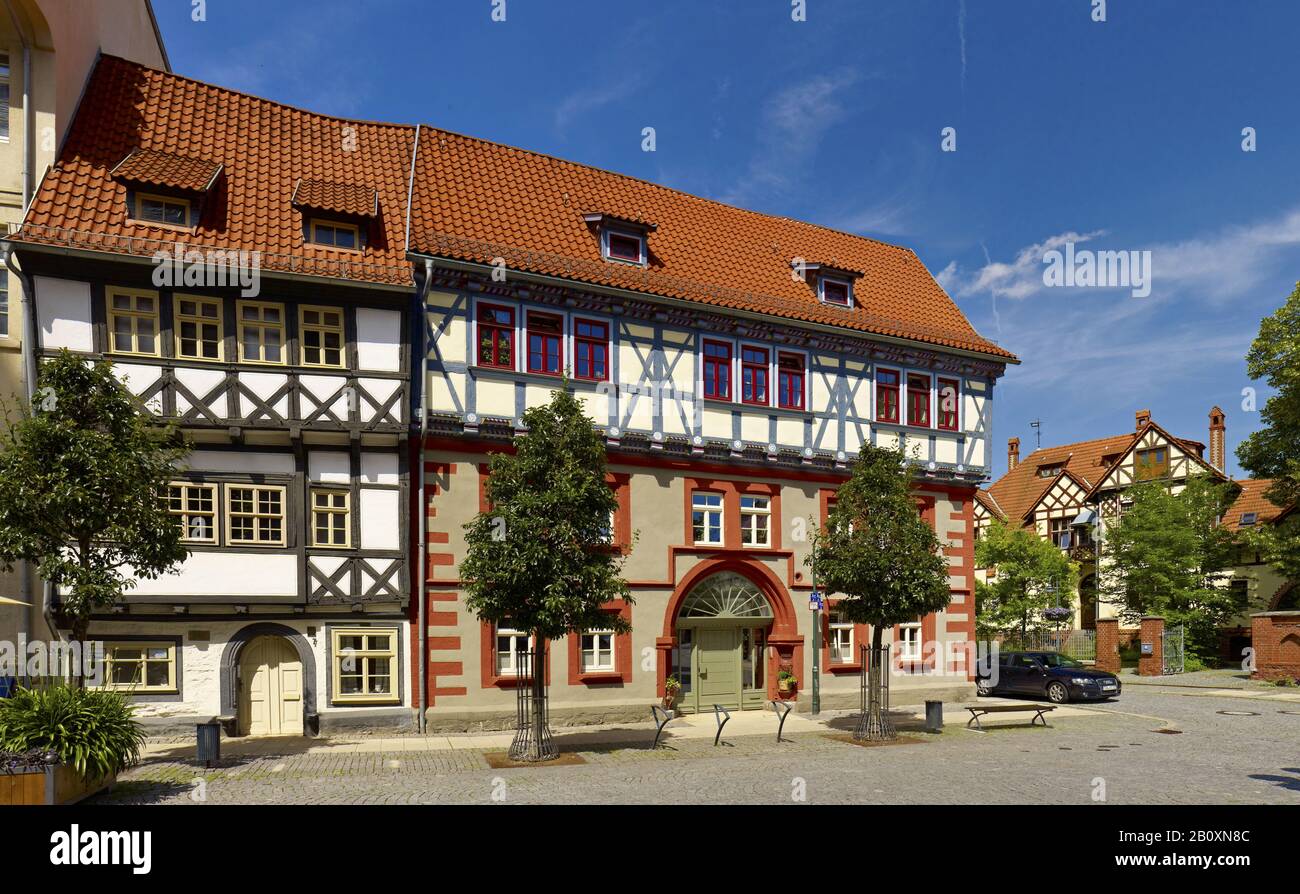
(873, 717)
(1172, 654)
(532, 741)
(1081, 645)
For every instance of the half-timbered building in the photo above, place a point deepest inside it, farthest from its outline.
(241, 263)
(735, 364)
(1068, 494)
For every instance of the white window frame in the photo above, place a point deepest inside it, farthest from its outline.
(262, 326)
(363, 657)
(199, 320)
(110, 313)
(909, 641)
(137, 208)
(839, 632)
(500, 630)
(938, 396)
(607, 665)
(749, 516)
(608, 230)
(708, 509)
(304, 309)
(844, 281)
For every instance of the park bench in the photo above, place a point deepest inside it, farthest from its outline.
(979, 711)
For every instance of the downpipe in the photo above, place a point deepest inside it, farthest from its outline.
(421, 510)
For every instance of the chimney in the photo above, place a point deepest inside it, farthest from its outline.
(1013, 453)
(1142, 417)
(1216, 438)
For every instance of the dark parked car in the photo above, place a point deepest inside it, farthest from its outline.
(1051, 674)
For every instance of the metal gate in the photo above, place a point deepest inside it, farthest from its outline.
(1171, 649)
(1080, 645)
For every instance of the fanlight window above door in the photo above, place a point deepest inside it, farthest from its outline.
(726, 595)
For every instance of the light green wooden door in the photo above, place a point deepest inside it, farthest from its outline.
(717, 667)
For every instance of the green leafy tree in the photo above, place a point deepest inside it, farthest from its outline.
(541, 557)
(81, 475)
(1032, 575)
(1274, 451)
(883, 557)
(1167, 555)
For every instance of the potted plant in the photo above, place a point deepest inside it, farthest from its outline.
(60, 744)
(672, 689)
(786, 681)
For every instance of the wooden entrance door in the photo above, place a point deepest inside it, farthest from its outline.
(270, 674)
(717, 668)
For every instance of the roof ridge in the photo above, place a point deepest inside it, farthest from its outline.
(253, 96)
(1074, 444)
(681, 192)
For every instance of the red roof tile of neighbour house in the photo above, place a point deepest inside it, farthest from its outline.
(341, 198)
(476, 201)
(1252, 500)
(264, 149)
(153, 168)
(1088, 461)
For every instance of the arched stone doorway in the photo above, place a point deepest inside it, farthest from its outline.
(268, 668)
(728, 628)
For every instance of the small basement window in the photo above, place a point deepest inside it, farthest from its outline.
(836, 291)
(627, 247)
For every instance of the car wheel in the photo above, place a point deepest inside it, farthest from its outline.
(983, 687)
(1057, 693)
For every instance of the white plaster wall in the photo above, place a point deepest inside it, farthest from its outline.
(240, 461)
(379, 468)
(379, 339)
(379, 519)
(63, 308)
(214, 574)
(329, 467)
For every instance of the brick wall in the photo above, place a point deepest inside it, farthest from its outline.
(1152, 631)
(1275, 637)
(1108, 645)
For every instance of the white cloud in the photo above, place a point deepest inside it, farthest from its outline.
(589, 99)
(793, 123)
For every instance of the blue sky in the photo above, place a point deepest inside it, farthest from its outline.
(1124, 135)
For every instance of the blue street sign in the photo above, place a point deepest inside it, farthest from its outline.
(814, 601)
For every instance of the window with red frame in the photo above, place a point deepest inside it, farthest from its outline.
(496, 336)
(753, 375)
(545, 342)
(918, 400)
(623, 247)
(717, 370)
(591, 350)
(949, 397)
(789, 381)
(887, 396)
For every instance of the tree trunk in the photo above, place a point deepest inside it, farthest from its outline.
(533, 740)
(875, 723)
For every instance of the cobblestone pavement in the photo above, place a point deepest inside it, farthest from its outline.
(1214, 759)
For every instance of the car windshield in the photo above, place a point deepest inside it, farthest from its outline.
(1056, 659)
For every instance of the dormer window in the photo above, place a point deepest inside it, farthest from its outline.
(626, 247)
(1248, 519)
(166, 210)
(166, 190)
(835, 291)
(335, 215)
(622, 239)
(335, 234)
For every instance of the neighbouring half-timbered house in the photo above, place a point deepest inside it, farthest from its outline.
(735, 363)
(241, 263)
(1068, 494)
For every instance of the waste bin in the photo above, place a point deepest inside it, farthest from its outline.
(209, 743)
(933, 717)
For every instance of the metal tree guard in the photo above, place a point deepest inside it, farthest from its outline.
(873, 721)
(532, 742)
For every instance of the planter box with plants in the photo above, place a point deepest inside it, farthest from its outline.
(60, 744)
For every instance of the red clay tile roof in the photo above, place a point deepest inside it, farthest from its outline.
(1021, 487)
(475, 201)
(264, 147)
(988, 502)
(1252, 499)
(165, 169)
(342, 198)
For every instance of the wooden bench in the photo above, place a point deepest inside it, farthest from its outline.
(982, 710)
